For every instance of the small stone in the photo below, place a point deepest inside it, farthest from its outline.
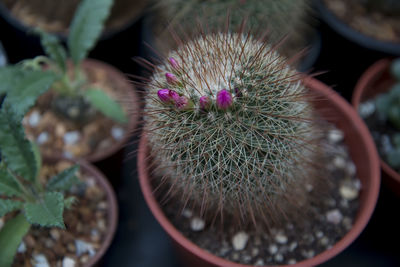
(71, 247)
(281, 238)
(259, 262)
(103, 205)
(239, 240)
(351, 168)
(278, 257)
(60, 130)
(254, 252)
(48, 243)
(34, 119)
(197, 224)
(83, 247)
(335, 136)
(223, 251)
(257, 241)
(117, 133)
(309, 187)
(84, 259)
(71, 138)
(68, 262)
(293, 246)
(334, 216)
(187, 213)
(291, 261)
(324, 241)
(366, 108)
(235, 256)
(102, 225)
(21, 247)
(348, 192)
(40, 260)
(339, 162)
(246, 258)
(273, 249)
(42, 138)
(347, 223)
(308, 253)
(319, 234)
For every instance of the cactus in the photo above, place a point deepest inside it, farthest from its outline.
(232, 130)
(281, 18)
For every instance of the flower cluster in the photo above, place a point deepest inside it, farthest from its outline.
(167, 96)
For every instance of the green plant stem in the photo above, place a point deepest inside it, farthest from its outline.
(27, 195)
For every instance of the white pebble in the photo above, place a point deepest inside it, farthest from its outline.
(278, 257)
(348, 192)
(366, 109)
(273, 249)
(291, 261)
(34, 118)
(335, 136)
(254, 252)
(308, 253)
(351, 168)
(197, 224)
(187, 213)
(68, 262)
(71, 138)
(117, 133)
(259, 262)
(42, 138)
(21, 247)
(292, 246)
(82, 247)
(239, 240)
(334, 216)
(339, 162)
(281, 238)
(40, 260)
(319, 234)
(324, 241)
(309, 187)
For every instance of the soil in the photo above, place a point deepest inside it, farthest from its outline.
(381, 130)
(58, 135)
(331, 218)
(372, 23)
(86, 227)
(55, 16)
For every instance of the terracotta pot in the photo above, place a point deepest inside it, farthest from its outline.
(362, 150)
(351, 34)
(377, 79)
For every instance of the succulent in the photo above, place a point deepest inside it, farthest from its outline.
(75, 97)
(233, 131)
(281, 18)
(388, 109)
(21, 189)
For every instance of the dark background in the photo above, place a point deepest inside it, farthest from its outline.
(139, 240)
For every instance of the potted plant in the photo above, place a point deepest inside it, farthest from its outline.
(241, 157)
(376, 97)
(289, 20)
(371, 24)
(84, 114)
(36, 195)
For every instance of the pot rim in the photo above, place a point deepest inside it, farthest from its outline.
(361, 87)
(112, 208)
(362, 217)
(357, 37)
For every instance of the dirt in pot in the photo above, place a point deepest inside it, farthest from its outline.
(331, 218)
(86, 226)
(55, 16)
(77, 135)
(381, 22)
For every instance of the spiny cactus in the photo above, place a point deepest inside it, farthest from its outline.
(280, 17)
(232, 131)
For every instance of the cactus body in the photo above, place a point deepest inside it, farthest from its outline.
(244, 143)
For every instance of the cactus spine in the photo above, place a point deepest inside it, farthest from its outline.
(231, 129)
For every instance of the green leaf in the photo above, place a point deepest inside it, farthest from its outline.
(38, 158)
(11, 237)
(9, 76)
(8, 186)
(17, 151)
(53, 48)
(47, 212)
(64, 180)
(86, 27)
(70, 201)
(25, 92)
(7, 205)
(106, 105)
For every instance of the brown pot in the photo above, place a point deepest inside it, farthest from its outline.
(375, 80)
(362, 150)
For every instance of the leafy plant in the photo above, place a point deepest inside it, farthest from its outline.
(233, 131)
(61, 69)
(388, 109)
(20, 187)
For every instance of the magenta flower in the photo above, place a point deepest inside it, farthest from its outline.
(173, 62)
(183, 103)
(224, 99)
(164, 95)
(204, 102)
(171, 79)
(173, 95)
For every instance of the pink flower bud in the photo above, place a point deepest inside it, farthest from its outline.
(204, 102)
(173, 95)
(171, 79)
(224, 99)
(183, 103)
(164, 95)
(173, 63)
